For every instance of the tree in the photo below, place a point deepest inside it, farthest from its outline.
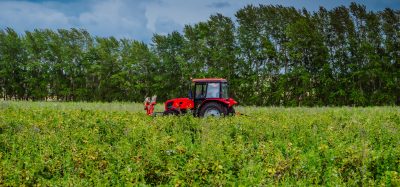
(170, 50)
(13, 65)
(38, 69)
(391, 36)
(308, 56)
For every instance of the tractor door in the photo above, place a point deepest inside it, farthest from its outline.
(200, 93)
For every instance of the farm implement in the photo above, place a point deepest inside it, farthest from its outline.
(209, 98)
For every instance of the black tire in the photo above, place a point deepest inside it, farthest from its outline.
(231, 111)
(214, 107)
(170, 112)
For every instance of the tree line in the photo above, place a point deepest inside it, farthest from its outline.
(271, 55)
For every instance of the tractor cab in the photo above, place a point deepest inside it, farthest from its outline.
(210, 88)
(210, 97)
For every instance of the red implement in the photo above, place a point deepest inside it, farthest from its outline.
(149, 105)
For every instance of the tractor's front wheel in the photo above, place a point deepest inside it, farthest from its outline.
(213, 109)
(231, 111)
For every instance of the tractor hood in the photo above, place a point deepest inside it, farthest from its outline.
(179, 103)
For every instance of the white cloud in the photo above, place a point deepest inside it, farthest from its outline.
(183, 12)
(119, 18)
(25, 16)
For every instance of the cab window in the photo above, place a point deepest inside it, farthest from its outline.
(200, 91)
(224, 90)
(213, 90)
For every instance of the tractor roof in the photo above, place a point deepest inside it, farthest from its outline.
(209, 80)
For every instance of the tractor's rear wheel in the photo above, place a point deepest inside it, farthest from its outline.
(213, 109)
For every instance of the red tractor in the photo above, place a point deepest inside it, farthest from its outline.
(209, 98)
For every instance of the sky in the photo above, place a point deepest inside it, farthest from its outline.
(140, 19)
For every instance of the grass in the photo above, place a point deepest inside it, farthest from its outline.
(103, 144)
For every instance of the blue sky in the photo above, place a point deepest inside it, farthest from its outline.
(139, 19)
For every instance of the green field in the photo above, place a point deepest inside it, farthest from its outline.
(103, 144)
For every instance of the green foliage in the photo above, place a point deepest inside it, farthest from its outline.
(271, 55)
(117, 144)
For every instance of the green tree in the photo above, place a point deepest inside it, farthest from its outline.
(143, 69)
(308, 62)
(13, 65)
(170, 50)
(391, 42)
(38, 69)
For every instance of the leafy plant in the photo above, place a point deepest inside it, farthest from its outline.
(85, 144)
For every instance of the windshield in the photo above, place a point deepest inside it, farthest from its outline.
(213, 90)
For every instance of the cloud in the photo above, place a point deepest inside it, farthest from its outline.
(119, 18)
(219, 5)
(165, 26)
(183, 12)
(26, 15)
(116, 18)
